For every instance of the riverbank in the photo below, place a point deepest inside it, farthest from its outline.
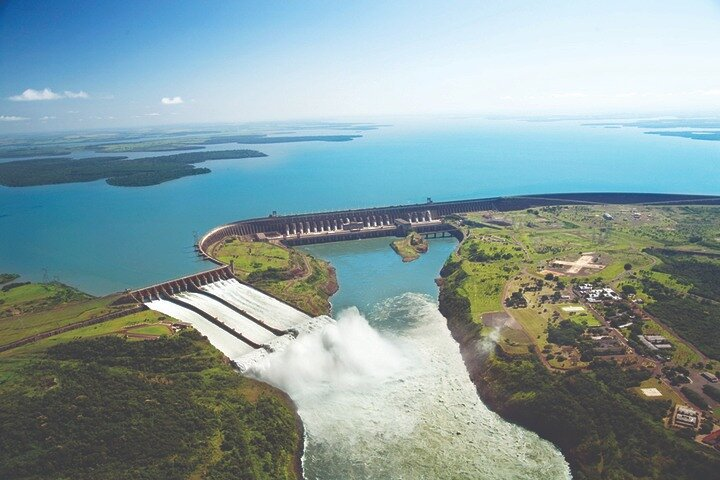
(592, 414)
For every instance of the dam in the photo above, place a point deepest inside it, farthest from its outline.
(226, 310)
(424, 218)
(240, 319)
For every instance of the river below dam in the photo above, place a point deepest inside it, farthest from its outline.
(383, 392)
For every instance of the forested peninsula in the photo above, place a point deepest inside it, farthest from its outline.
(116, 170)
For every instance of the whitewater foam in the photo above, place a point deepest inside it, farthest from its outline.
(395, 402)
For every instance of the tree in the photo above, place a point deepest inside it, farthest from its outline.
(627, 266)
(629, 290)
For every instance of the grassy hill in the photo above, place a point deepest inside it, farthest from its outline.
(128, 399)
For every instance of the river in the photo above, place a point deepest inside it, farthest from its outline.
(383, 392)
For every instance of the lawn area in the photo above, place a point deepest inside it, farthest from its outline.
(249, 257)
(667, 392)
(533, 323)
(25, 325)
(514, 342)
(483, 276)
(114, 326)
(579, 317)
(157, 330)
(484, 293)
(291, 275)
(31, 297)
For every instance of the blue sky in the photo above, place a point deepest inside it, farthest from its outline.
(108, 64)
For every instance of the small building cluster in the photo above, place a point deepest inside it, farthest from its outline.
(597, 295)
(686, 417)
(604, 344)
(655, 342)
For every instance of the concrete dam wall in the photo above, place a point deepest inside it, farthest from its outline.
(426, 217)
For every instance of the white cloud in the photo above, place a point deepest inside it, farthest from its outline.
(171, 100)
(154, 114)
(80, 94)
(46, 118)
(31, 95)
(12, 118)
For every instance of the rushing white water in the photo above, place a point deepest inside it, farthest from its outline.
(222, 340)
(229, 317)
(269, 310)
(397, 403)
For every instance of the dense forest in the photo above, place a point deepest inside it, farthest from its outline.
(118, 170)
(696, 320)
(604, 430)
(161, 409)
(696, 315)
(701, 271)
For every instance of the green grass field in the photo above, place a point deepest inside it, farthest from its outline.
(36, 296)
(291, 275)
(667, 392)
(581, 318)
(514, 342)
(24, 325)
(158, 330)
(249, 257)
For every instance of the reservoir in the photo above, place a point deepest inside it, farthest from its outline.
(103, 239)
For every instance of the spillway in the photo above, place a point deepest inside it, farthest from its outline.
(222, 340)
(229, 317)
(268, 309)
(235, 317)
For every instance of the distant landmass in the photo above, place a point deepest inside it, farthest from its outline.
(34, 152)
(196, 143)
(663, 123)
(711, 136)
(118, 170)
(258, 139)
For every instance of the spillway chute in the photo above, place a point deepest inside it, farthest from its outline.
(236, 318)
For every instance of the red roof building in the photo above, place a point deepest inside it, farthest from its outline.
(712, 438)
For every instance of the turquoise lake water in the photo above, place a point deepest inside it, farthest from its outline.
(103, 239)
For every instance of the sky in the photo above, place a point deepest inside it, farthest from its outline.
(95, 64)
